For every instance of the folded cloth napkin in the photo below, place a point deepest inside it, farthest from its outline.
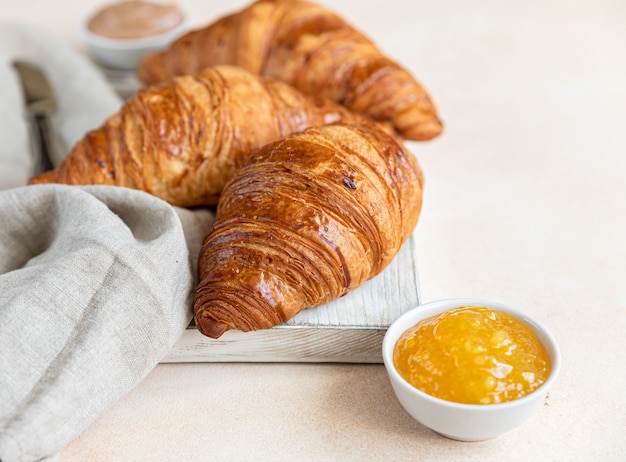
(95, 288)
(96, 282)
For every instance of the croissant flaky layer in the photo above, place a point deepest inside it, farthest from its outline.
(181, 140)
(305, 220)
(314, 50)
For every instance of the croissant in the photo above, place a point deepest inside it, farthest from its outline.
(312, 49)
(305, 220)
(180, 141)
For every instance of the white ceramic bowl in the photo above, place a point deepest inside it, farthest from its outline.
(466, 422)
(125, 54)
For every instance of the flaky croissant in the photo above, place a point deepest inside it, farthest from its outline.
(181, 140)
(305, 220)
(312, 49)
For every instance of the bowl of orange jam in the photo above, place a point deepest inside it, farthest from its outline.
(470, 369)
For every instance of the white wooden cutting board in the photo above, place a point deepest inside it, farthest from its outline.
(350, 329)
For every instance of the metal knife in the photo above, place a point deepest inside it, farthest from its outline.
(40, 105)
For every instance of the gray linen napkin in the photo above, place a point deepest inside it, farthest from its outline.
(95, 282)
(95, 288)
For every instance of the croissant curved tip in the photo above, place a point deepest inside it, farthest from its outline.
(424, 131)
(210, 327)
(47, 177)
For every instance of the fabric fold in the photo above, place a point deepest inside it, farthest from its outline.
(95, 287)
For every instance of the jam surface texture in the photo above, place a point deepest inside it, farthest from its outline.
(472, 355)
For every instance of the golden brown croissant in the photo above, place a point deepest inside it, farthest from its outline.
(305, 220)
(180, 141)
(312, 49)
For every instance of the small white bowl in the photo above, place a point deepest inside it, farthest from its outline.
(125, 54)
(466, 422)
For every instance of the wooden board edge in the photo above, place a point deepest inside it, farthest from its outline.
(283, 344)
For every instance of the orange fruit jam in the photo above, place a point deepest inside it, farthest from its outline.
(472, 355)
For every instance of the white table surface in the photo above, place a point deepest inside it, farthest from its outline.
(525, 203)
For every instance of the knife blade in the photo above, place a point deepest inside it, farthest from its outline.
(40, 104)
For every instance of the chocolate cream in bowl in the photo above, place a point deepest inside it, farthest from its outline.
(135, 19)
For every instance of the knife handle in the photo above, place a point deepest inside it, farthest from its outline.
(44, 144)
